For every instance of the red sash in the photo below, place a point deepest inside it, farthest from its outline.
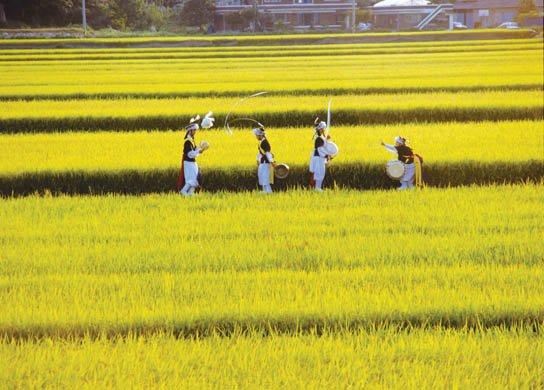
(181, 180)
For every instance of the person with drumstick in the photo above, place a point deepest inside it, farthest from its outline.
(406, 156)
(265, 161)
(319, 158)
(189, 177)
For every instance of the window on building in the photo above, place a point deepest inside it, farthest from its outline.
(306, 19)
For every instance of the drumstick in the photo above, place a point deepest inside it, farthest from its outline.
(227, 127)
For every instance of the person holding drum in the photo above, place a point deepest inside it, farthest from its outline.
(189, 176)
(320, 157)
(405, 156)
(265, 161)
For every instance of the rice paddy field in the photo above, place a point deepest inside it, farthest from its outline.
(110, 279)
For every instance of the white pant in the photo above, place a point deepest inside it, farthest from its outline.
(264, 174)
(407, 180)
(317, 167)
(187, 190)
(190, 173)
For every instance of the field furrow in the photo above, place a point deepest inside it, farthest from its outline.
(121, 265)
(278, 111)
(382, 358)
(384, 73)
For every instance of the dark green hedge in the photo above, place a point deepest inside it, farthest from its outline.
(291, 325)
(355, 176)
(239, 93)
(252, 54)
(280, 40)
(293, 118)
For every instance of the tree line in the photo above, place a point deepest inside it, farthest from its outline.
(126, 15)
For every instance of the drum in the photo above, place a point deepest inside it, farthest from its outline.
(281, 171)
(331, 149)
(204, 145)
(395, 169)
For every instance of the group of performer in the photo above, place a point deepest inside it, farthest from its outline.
(190, 177)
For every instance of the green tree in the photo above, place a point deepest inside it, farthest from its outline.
(158, 16)
(527, 7)
(3, 19)
(197, 13)
(235, 19)
(57, 13)
(249, 15)
(97, 13)
(527, 10)
(129, 14)
(38, 12)
(363, 15)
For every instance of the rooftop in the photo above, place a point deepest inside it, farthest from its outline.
(401, 3)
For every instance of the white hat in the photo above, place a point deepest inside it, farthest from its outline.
(400, 140)
(320, 126)
(259, 131)
(192, 124)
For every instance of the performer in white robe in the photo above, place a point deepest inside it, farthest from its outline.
(319, 157)
(190, 168)
(405, 155)
(265, 161)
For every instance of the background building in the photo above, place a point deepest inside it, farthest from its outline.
(397, 15)
(298, 14)
(488, 13)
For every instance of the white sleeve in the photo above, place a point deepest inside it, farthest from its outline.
(390, 148)
(259, 156)
(322, 152)
(270, 157)
(194, 153)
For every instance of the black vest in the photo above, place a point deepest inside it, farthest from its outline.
(406, 155)
(264, 146)
(319, 142)
(188, 146)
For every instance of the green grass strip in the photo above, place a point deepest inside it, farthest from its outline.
(250, 40)
(503, 43)
(284, 52)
